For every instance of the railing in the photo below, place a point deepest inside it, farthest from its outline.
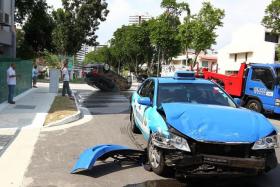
(23, 70)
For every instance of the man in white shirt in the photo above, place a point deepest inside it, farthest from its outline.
(11, 81)
(66, 79)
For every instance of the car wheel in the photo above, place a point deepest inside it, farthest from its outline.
(156, 160)
(254, 105)
(134, 128)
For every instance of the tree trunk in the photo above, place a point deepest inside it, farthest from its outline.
(136, 67)
(194, 62)
(119, 66)
(187, 56)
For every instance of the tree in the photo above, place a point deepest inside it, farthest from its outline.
(23, 9)
(271, 19)
(198, 31)
(174, 8)
(23, 50)
(76, 24)
(38, 28)
(101, 55)
(131, 46)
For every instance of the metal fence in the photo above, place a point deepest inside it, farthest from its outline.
(24, 81)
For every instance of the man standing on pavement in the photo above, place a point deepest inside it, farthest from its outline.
(66, 79)
(34, 76)
(11, 81)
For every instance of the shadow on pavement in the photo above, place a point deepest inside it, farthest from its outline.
(105, 169)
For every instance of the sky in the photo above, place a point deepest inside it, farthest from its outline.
(237, 14)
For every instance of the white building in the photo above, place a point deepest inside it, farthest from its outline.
(208, 61)
(250, 44)
(85, 49)
(7, 29)
(139, 18)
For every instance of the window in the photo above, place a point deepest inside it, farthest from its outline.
(235, 57)
(264, 75)
(270, 37)
(147, 89)
(209, 94)
(204, 64)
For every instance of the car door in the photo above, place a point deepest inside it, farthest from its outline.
(138, 109)
(144, 111)
(261, 85)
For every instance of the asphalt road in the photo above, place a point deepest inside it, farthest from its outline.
(56, 152)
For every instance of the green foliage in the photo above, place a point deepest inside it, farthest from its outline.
(51, 59)
(278, 52)
(174, 8)
(271, 19)
(38, 28)
(198, 31)
(131, 46)
(76, 24)
(101, 55)
(23, 50)
(23, 9)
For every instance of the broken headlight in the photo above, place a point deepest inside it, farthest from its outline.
(270, 142)
(171, 142)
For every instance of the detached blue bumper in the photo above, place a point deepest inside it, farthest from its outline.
(88, 158)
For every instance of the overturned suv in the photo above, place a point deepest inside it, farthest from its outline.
(193, 127)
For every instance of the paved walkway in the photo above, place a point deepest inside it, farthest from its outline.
(20, 126)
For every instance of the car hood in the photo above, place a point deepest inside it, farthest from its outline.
(217, 123)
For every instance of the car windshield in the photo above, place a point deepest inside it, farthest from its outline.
(209, 94)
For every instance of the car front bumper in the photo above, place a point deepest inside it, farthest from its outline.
(209, 165)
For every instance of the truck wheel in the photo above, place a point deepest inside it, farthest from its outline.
(134, 128)
(156, 160)
(254, 105)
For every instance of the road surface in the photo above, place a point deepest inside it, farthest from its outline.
(56, 151)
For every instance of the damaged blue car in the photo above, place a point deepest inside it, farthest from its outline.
(193, 127)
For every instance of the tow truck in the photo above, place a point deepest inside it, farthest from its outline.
(256, 85)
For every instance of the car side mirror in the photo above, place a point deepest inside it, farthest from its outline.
(238, 101)
(146, 101)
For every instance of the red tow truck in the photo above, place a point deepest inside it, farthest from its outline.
(257, 85)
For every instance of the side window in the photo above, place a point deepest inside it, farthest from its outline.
(264, 75)
(151, 90)
(143, 92)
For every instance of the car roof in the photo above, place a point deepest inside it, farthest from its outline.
(163, 80)
(266, 65)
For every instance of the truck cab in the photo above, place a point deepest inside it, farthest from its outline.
(262, 90)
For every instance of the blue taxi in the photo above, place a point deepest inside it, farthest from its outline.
(194, 127)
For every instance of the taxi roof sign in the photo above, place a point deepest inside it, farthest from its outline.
(188, 75)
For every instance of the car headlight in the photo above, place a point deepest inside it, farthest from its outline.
(171, 142)
(270, 142)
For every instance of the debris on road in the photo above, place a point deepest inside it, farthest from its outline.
(119, 153)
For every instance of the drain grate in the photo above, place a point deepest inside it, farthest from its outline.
(28, 107)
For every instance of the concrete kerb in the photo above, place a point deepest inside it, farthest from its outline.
(69, 119)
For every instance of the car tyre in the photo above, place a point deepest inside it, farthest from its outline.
(134, 128)
(156, 160)
(254, 105)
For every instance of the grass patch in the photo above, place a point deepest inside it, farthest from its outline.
(62, 107)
